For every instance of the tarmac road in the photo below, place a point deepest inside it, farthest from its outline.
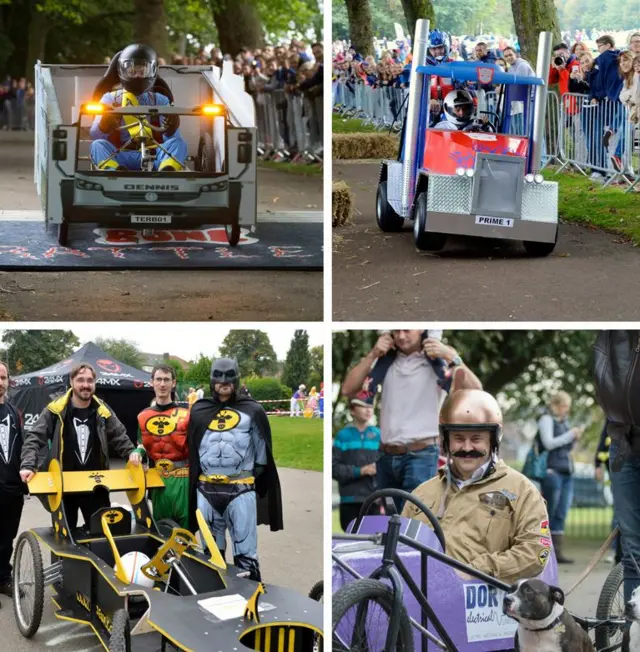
(171, 295)
(591, 276)
(290, 558)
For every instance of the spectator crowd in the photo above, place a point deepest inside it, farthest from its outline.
(17, 105)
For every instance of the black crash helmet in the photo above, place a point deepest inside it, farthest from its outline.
(137, 68)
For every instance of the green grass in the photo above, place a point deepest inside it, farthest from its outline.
(297, 442)
(351, 126)
(584, 202)
(304, 169)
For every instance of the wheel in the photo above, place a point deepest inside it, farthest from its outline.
(233, 233)
(206, 159)
(166, 526)
(540, 249)
(120, 640)
(425, 240)
(610, 605)
(356, 612)
(28, 584)
(63, 233)
(317, 591)
(388, 220)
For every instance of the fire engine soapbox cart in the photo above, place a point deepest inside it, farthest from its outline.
(483, 181)
(217, 185)
(395, 588)
(192, 600)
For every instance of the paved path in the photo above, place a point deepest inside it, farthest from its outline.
(591, 276)
(158, 295)
(290, 558)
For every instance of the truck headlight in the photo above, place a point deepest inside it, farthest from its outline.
(528, 178)
(469, 172)
(460, 172)
(538, 178)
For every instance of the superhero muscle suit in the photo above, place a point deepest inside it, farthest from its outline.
(162, 437)
(233, 479)
(135, 91)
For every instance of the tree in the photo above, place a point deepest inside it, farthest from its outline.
(532, 17)
(360, 30)
(253, 351)
(316, 360)
(523, 367)
(298, 362)
(123, 350)
(199, 373)
(414, 9)
(150, 26)
(30, 350)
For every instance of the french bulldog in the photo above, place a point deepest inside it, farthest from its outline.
(544, 625)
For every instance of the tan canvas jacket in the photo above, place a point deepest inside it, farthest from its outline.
(498, 525)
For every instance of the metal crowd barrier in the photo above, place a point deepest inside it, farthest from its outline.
(382, 107)
(574, 128)
(289, 126)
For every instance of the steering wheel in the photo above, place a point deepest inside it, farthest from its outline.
(405, 495)
(481, 126)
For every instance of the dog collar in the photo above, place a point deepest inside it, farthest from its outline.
(551, 625)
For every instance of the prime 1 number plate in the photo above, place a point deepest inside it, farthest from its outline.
(151, 219)
(487, 220)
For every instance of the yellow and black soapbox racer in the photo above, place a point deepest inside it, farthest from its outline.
(193, 601)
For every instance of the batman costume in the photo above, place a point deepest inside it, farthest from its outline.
(233, 479)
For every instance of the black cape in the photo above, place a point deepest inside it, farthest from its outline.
(267, 484)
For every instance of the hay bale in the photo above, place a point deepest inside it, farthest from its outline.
(341, 204)
(361, 146)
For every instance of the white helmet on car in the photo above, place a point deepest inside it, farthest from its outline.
(459, 108)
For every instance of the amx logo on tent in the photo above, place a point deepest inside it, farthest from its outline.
(150, 186)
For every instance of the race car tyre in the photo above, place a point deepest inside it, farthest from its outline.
(388, 220)
(317, 591)
(540, 249)
(610, 605)
(63, 233)
(28, 584)
(120, 640)
(233, 233)
(425, 240)
(206, 159)
(366, 594)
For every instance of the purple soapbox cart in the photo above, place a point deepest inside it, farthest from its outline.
(389, 565)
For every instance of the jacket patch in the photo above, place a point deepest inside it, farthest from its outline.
(544, 541)
(508, 494)
(544, 528)
(494, 499)
(543, 555)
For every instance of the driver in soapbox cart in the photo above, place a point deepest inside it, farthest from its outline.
(486, 517)
(116, 138)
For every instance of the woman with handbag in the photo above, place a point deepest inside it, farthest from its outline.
(557, 438)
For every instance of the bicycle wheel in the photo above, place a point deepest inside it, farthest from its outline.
(610, 605)
(28, 584)
(360, 618)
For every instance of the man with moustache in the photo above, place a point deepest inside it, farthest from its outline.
(493, 518)
(233, 478)
(415, 370)
(81, 429)
(162, 439)
(12, 489)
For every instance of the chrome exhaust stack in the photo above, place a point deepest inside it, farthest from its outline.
(540, 104)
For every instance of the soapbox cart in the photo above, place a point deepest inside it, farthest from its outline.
(483, 181)
(196, 601)
(395, 589)
(217, 121)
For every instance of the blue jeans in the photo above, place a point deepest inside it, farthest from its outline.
(625, 485)
(557, 490)
(406, 471)
(175, 146)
